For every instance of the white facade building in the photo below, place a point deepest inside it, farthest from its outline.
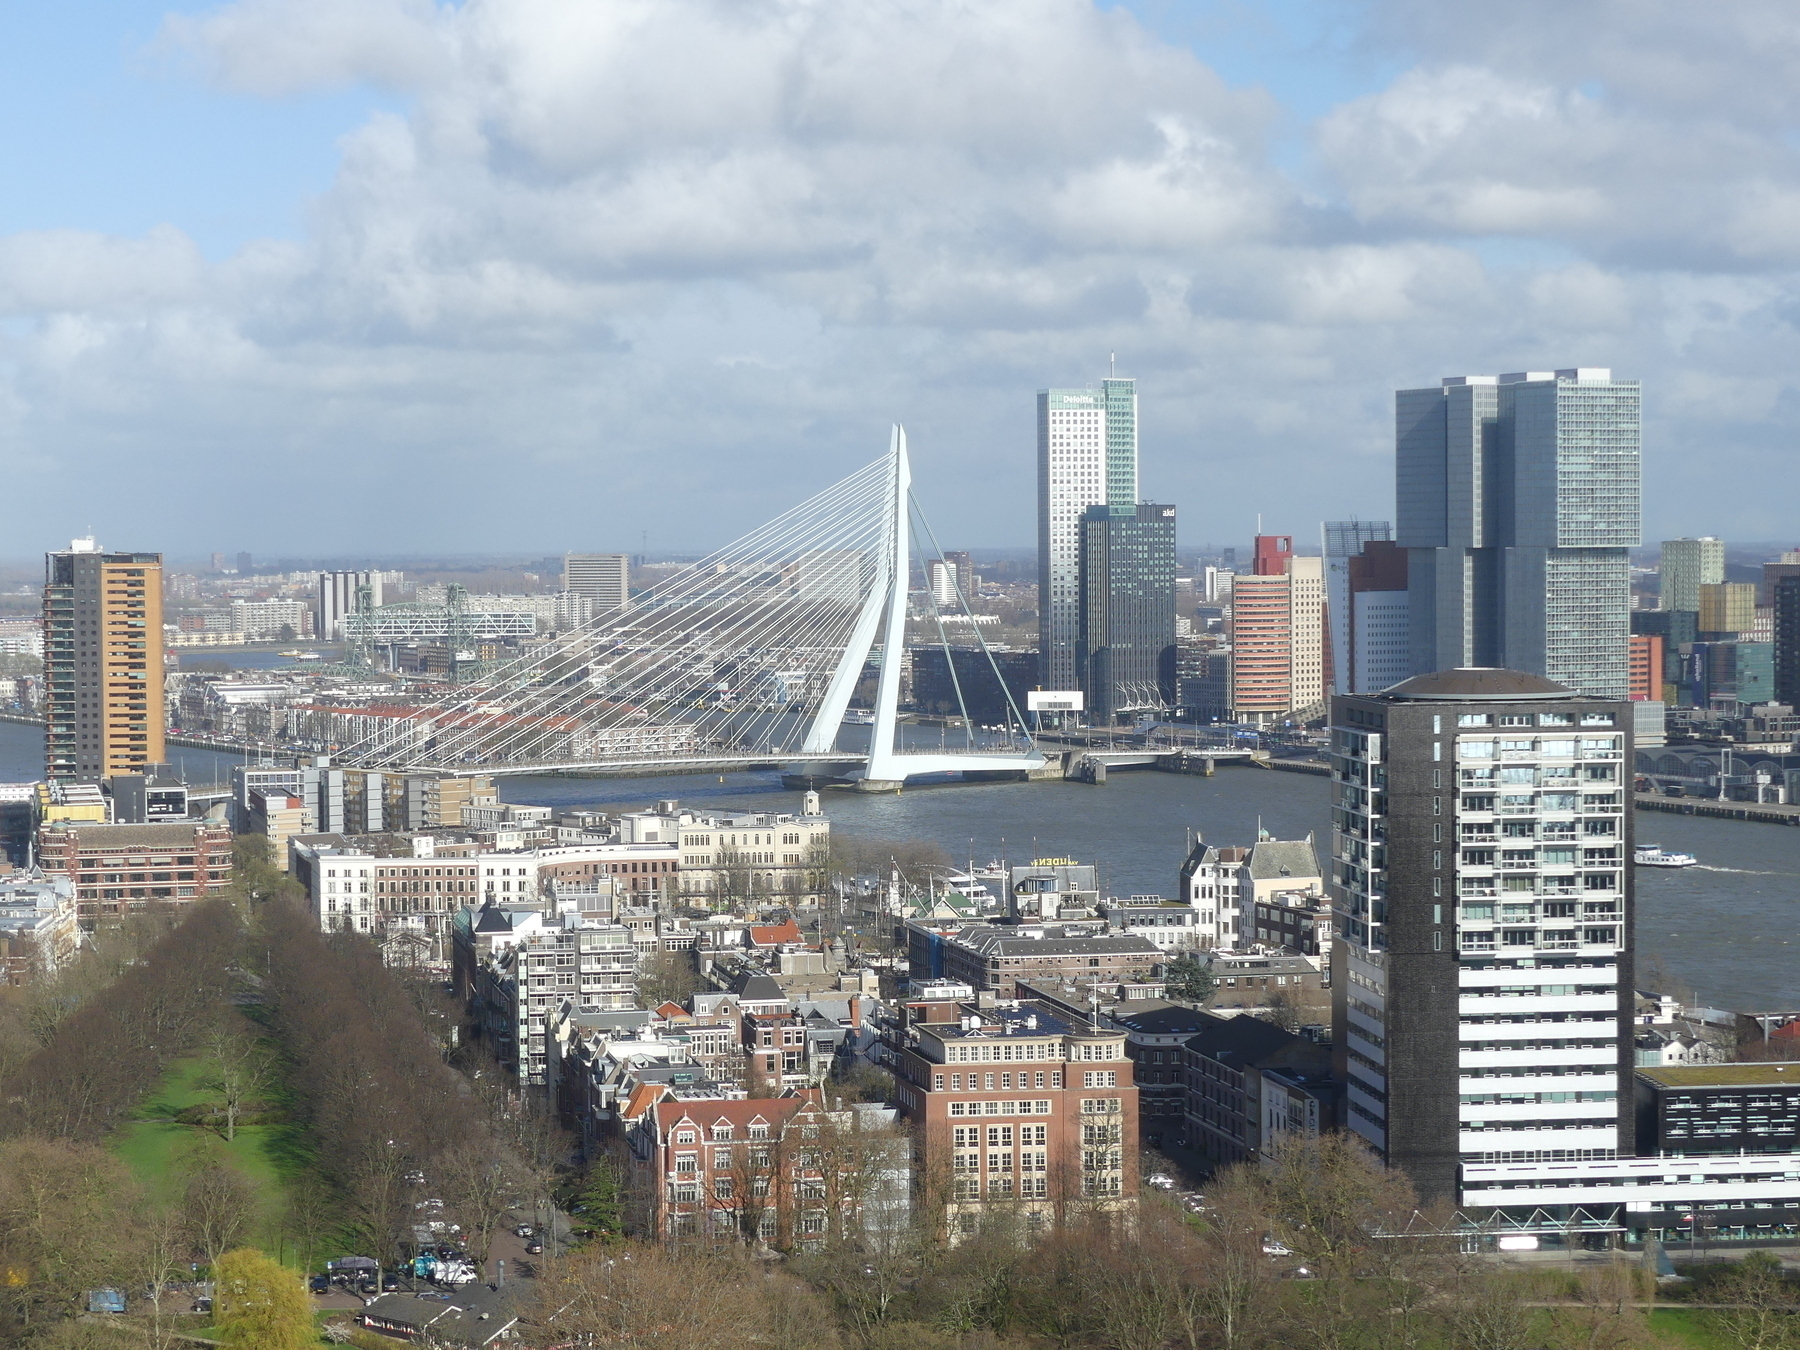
(1087, 456)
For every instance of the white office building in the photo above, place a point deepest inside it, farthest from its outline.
(604, 578)
(1087, 456)
(338, 597)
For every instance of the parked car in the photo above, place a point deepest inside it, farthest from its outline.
(534, 1247)
(390, 1283)
(321, 1284)
(524, 1230)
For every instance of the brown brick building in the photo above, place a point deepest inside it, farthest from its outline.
(122, 869)
(997, 957)
(1016, 1105)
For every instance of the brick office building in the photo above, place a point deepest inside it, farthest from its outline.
(998, 957)
(124, 869)
(1018, 1105)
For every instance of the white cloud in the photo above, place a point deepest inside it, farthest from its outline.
(670, 263)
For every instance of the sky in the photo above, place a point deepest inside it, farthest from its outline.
(370, 277)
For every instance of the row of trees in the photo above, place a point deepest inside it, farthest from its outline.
(1363, 1269)
(389, 1123)
(99, 1057)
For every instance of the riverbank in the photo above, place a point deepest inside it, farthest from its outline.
(1766, 813)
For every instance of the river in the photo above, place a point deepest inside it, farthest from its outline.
(1725, 926)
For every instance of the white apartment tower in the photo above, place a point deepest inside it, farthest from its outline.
(1481, 878)
(604, 578)
(1087, 456)
(338, 597)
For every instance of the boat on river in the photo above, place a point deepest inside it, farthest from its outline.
(1654, 855)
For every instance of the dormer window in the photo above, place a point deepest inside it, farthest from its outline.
(759, 1131)
(684, 1137)
(721, 1131)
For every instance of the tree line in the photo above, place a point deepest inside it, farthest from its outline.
(390, 1124)
(1325, 1249)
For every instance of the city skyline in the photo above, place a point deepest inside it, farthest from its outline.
(229, 248)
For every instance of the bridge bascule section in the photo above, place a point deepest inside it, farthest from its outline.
(751, 656)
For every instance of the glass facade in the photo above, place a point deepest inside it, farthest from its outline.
(1087, 456)
(1519, 502)
(1125, 647)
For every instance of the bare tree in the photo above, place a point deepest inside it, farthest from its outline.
(238, 1069)
(218, 1203)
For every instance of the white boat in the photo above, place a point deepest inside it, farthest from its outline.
(859, 717)
(1652, 855)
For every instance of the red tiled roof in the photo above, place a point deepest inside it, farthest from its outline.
(771, 935)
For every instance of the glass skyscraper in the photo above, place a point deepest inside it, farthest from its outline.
(1518, 502)
(1087, 456)
(1125, 633)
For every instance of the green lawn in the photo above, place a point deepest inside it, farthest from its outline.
(153, 1145)
(1687, 1327)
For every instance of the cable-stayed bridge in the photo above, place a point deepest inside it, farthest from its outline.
(750, 656)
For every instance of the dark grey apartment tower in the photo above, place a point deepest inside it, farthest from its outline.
(1786, 598)
(1517, 499)
(1482, 878)
(1125, 637)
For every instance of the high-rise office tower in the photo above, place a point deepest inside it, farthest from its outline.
(1726, 608)
(1344, 540)
(1518, 501)
(1687, 565)
(605, 578)
(103, 663)
(246, 565)
(1482, 975)
(1125, 637)
(1087, 456)
(1379, 642)
(941, 580)
(342, 593)
(1277, 633)
(1787, 640)
(964, 567)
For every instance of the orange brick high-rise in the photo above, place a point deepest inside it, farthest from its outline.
(103, 663)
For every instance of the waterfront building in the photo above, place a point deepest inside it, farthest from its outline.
(948, 681)
(1210, 883)
(1087, 456)
(1343, 541)
(604, 578)
(1376, 628)
(1687, 565)
(1125, 630)
(1787, 640)
(342, 594)
(103, 662)
(1277, 634)
(1481, 872)
(1518, 502)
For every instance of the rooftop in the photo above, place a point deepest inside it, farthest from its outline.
(1473, 684)
(1722, 1075)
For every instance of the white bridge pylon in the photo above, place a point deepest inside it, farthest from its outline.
(750, 656)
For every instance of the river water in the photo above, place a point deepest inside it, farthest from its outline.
(1730, 927)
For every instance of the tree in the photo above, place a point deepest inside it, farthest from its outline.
(238, 1070)
(68, 1222)
(1764, 1304)
(218, 1203)
(258, 1305)
(667, 977)
(1191, 979)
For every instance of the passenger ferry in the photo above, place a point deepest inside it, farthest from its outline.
(859, 717)
(1652, 855)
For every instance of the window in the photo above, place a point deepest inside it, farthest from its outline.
(1095, 1078)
